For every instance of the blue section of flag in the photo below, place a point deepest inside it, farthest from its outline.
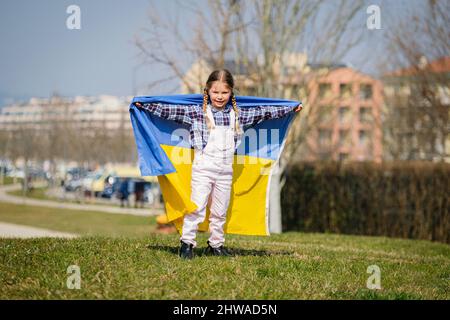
(263, 140)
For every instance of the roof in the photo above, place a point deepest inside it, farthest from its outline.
(130, 172)
(241, 68)
(332, 65)
(441, 65)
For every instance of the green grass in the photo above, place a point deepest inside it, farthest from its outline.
(290, 266)
(10, 180)
(35, 193)
(120, 258)
(41, 194)
(78, 221)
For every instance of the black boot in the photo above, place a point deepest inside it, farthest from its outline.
(220, 251)
(186, 251)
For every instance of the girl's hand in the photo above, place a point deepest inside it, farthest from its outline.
(298, 108)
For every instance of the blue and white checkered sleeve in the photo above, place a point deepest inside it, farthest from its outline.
(254, 115)
(179, 113)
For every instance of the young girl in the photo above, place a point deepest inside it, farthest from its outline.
(215, 132)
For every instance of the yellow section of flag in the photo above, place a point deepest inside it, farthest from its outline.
(248, 210)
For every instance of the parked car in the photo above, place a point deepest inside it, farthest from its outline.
(111, 179)
(17, 173)
(152, 193)
(76, 173)
(5, 169)
(74, 179)
(73, 185)
(89, 182)
(33, 172)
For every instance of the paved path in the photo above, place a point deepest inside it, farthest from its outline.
(4, 197)
(10, 230)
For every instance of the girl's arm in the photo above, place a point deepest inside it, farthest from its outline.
(254, 115)
(180, 113)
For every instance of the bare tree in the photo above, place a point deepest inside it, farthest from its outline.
(5, 137)
(284, 27)
(417, 91)
(24, 144)
(52, 133)
(163, 41)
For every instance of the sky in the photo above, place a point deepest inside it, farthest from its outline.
(40, 56)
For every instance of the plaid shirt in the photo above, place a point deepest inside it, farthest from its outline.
(194, 116)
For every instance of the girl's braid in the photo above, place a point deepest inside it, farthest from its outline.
(236, 111)
(205, 104)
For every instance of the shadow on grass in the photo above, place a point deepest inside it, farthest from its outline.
(235, 252)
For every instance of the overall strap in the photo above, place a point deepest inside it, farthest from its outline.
(209, 114)
(232, 119)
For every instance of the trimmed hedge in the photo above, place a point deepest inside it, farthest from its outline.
(399, 199)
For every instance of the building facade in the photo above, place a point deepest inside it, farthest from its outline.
(102, 112)
(346, 118)
(417, 111)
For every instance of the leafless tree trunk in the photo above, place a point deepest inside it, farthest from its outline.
(5, 137)
(24, 145)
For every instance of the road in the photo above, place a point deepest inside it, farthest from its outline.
(9, 230)
(4, 197)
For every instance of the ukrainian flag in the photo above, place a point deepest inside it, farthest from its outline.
(160, 141)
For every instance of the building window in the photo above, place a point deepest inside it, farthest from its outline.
(443, 93)
(345, 90)
(324, 137)
(364, 137)
(295, 90)
(326, 114)
(344, 115)
(288, 70)
(343, 156)
(389, 90)
(344, 137)
(365, 114)
(251, 91)
(405, 90)
(324, 90)
(365, 91)
(325, 155)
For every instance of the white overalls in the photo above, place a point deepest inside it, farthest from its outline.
(212, 173)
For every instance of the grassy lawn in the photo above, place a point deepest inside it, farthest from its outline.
(120, 258)
(35, 193)
(10, 180)
(77, 221)
(40, 194)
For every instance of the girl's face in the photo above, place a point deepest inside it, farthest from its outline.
(219, 94)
